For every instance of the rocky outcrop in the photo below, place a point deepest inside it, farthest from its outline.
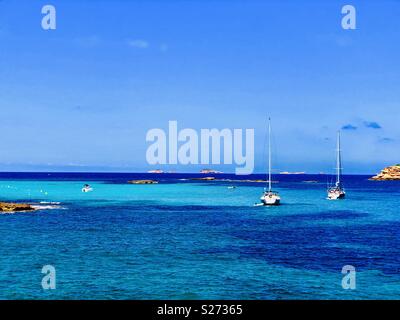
(143, 182)
(15, 207)
(389, 173)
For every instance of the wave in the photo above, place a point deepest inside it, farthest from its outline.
(46, 207)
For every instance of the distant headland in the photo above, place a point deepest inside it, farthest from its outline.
(388, 173)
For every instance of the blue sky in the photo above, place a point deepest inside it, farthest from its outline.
(82, 97)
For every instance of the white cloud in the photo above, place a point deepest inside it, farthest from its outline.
(88, 42)
(138, 43)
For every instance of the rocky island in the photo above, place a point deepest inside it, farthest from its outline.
(9, 207)
(205, 178)
(231, 180)
(389, 173)
(155, 171)
(208, 171)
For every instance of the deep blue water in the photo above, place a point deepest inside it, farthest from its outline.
(185, 239)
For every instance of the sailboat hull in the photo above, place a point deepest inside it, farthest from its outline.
(270, 199)
(269, 203)
(336, 195)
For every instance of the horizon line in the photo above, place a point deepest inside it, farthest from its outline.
(200, 173)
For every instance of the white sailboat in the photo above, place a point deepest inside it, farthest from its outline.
(337, 191)
(269, 197)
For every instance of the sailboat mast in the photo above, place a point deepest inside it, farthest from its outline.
(338, 160)
(269, 155)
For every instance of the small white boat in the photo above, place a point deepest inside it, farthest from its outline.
(269, 197)
(87, 188)
(337, 191)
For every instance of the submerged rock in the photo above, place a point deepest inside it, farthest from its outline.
(143, 182)
(14, 207)
(389, 173)
(205, 178)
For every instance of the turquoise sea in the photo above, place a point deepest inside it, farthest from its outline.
(185, 239)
